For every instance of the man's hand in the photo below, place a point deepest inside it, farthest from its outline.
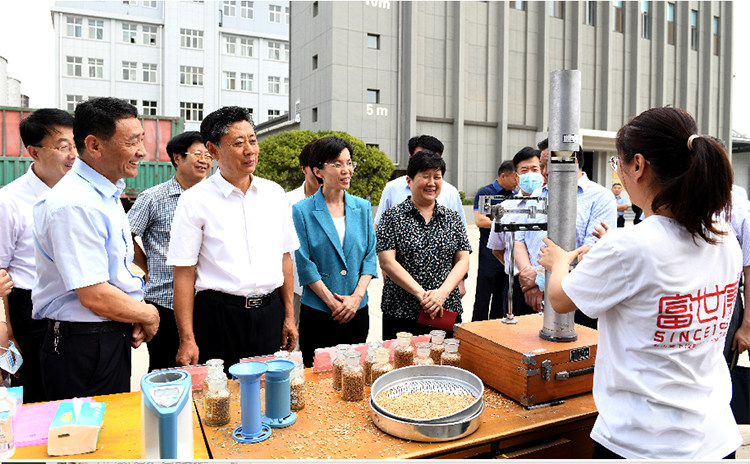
(6, 285)
(527, 278)
(346, 308)
(534, 297)
(289, 334)
(150, 328)
(138, 336)
(462, 288)
(187, 353)
(600, 231)
(741, 341)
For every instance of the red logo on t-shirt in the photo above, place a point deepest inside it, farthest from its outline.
(688, 319)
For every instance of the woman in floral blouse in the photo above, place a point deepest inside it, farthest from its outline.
(424, 250)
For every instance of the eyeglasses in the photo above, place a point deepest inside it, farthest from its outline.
(613, 162)
(64, 149)
(350, 165)
(200, 155)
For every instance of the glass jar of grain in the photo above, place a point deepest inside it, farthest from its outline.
(382, 364)
(352, 378)
(370, 359)
(451, 356)
(437, 348)
(338, 364)
(423, 354)
(404, 352)
(216, 400)
(297, 387)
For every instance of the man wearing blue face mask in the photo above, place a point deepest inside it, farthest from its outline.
(491, 277)
(528, 170)
(595, 205)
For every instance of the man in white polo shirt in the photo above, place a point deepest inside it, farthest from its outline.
(231, 242)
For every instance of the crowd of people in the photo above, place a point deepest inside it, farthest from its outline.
(235, 267)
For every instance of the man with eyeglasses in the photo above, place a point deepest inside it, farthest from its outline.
(85, 291)
(151, 218)
(47, 134)
(232, 239)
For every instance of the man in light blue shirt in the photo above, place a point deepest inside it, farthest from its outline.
(84, 289)
(595, 205)
(397, 190)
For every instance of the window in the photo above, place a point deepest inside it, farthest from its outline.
(646, 19)
(75, 26)
(373, 41)
(132, 102)
(315, 62)
(274, 50)
(246, 46)
(670, 24)
(129, 68)
(129, 32)
(250, 110)
(315, 9)
(617, 20)
(230, 80)
(246, 82)
(96, 68)
(274, 85)
(315, 115)
(191, 38)
(149, 107)
(286, 51)
(72, 100)
(273, 113)
(96, 29)
(517, 5)
(589, 14)
(556, 9)
(149, 35)
(274, 13)
(373, 145)
(129, 2)
(373, 96)
(149, 73)
(286, 14)
(230, 45)
(191, 75)
(230, 8)
(75, 66)
(693, 30)
(286, 86)
(716, 35)
(149, 3)
(246, 9)
(191, 111)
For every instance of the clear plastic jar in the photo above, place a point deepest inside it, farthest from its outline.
(451, 356)
(282, 354)
(297, 387)
(213, 366)
(423, 354)
(353, 378)
(404, 352)
(338, 364)
(382, 364)
(370, 359)
(216, 400)
(437, 348)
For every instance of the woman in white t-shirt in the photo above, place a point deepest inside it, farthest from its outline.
(663, 292)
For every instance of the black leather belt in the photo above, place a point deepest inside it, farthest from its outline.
(248, 302)
(87, 328)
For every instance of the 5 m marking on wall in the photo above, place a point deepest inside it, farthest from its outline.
(374, 110)
(379, 4)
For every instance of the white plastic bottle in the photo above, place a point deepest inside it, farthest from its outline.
(7, 444)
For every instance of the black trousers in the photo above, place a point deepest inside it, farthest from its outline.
(318, 330)
(29, 335)
(229, 332)
(162, 349)
(492, 286)
(620, 221)
(86, 364)
(393, 325)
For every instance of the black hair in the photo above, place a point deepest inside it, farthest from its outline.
(543, 145)
(306, 153)
(616, 183)
(217, 123)
(40, 124)
(327, 149)
(427, 142)
(694, 184)
(180, 144)
(506, 167)
(424, 160)
(98, 117)
(524, 154)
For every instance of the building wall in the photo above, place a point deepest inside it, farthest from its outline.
(476, 74)
(167, 53)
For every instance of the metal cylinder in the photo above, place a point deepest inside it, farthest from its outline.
(564, 139)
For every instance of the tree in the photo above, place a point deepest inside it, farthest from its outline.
(279, 162)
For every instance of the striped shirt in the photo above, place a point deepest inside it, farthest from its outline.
(151, 219)
(595, 205)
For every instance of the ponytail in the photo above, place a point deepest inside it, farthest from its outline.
(693, 175)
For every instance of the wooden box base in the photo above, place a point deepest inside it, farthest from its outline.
(515, 360)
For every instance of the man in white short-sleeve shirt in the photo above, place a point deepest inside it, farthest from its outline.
(231, 244)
